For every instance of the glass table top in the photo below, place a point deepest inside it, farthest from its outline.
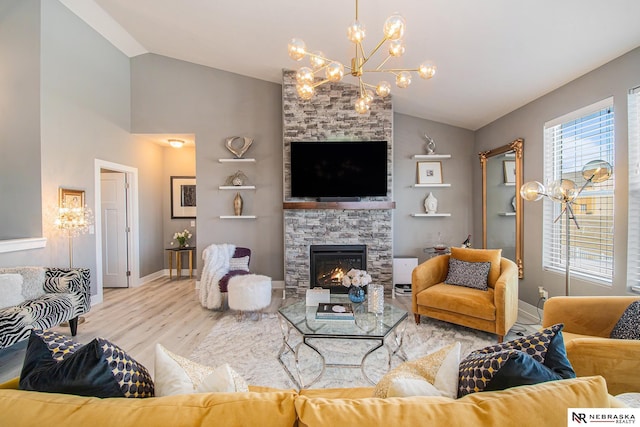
(365, 324)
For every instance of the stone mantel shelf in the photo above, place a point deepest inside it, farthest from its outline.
(338, 205)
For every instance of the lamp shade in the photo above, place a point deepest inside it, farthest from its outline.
(597, 171)
(532, 191)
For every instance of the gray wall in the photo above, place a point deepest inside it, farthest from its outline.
(612, 79)
(172, 96)
(411, 235)
(20, 210)
(85, 108)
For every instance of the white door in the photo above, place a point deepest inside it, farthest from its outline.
(115, 230)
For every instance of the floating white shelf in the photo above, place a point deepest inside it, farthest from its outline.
(237, 160)
(237, 187)
(431, 156)
(430, 185)
(507, 213)
(510, 184)
(238, 217)
(426, 215)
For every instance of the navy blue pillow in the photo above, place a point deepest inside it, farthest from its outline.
(528, 360)
(99, 369)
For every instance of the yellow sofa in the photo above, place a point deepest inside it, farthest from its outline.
(588, 322)
(494, 310)
(537, 405)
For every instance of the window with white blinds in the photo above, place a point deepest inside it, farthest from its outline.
(570, 142)
(633, 246)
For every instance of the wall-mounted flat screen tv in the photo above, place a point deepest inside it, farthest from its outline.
(338, 169)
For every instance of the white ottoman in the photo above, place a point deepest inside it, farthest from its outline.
(251, 292)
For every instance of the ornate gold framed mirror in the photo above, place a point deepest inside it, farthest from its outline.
(502, 221)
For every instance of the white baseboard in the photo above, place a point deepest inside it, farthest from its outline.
(151, 277)
(529, 311)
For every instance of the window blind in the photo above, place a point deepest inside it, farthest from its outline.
(570, 142)
(633, 245)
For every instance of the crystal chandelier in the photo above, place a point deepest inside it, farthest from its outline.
(394, 28)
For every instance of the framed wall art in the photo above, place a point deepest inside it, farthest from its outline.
(509, 171)
(429, 173)
(183, 197)
(70, 199)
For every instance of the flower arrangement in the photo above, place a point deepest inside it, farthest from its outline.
(356, 278)
(182, 238)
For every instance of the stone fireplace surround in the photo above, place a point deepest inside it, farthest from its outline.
(330, 116)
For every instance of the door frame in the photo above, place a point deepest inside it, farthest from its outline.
(133, 240)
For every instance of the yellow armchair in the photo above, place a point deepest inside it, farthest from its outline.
(588, 322)
(494, 310)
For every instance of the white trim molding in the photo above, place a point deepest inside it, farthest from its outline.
(15, 245)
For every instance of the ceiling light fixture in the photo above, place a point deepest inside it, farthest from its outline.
(394, 28)
(176, 143)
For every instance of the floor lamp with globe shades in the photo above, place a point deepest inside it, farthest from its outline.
(566, 191)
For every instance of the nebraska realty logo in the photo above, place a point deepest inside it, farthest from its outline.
(603, 416)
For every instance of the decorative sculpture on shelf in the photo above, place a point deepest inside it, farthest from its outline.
(431, 204)
(237, 204)
(238, 151)
(237, 179)
(430, 146)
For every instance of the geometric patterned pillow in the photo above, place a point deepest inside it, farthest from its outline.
(60, 346)
(99, 369)
(468, 274)
(628, 327)
(518, 362)
(241, 263)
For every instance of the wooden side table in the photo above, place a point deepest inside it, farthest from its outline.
(178, 253)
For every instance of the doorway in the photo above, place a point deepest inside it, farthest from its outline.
(115, 228)
(116, 221)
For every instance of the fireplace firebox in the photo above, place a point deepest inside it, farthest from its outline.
(328, 263)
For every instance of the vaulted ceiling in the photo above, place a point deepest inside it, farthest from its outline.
(493, 56)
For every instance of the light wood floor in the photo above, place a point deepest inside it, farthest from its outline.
(162, 311)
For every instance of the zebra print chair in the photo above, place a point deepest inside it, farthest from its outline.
(51, 296)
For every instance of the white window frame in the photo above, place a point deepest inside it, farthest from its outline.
(565, 155)
(633, 232)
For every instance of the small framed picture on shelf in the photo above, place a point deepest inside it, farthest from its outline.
(509, 171)
(429, 173)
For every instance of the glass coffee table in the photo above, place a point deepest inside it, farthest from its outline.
(299, 327)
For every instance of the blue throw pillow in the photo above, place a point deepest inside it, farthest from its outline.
(532, 359)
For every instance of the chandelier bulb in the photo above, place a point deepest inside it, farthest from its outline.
(396, 48)
(297, 49)
(356, 32)
(305, 91)
(317, 60)
(394, 27)
(383, 89)
(361, 106)
(304, 75)
(403, 79)
(335, 71)
(426, 70)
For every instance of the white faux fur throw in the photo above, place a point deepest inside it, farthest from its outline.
(216, 265)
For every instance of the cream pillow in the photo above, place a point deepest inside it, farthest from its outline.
(10, 290)
(433, 375)
(178, 375)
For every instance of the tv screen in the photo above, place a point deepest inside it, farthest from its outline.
(338, 169)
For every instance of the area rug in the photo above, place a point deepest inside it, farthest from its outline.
(251, 348)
